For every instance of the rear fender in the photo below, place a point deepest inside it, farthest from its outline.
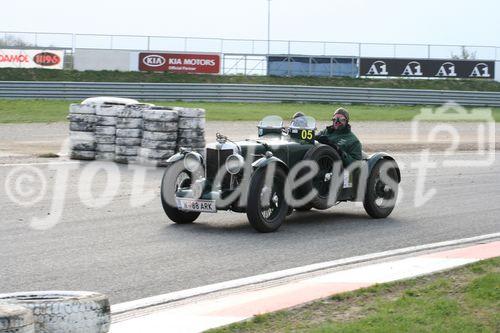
(373, 160)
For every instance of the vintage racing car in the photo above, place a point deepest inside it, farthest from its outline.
(267, 177)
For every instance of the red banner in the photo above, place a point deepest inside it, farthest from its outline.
(180, 62)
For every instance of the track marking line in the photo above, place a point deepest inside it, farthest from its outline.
(225, 309)
(262, 278)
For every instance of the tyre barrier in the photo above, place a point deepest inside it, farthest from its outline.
(191, 129)
(82, 129)
(133, 133)
(159, 140)
(55, 312)
(16, 319)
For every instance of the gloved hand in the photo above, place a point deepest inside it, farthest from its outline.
(322, 139)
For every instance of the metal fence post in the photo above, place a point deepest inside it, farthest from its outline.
(359, 50)
(428, 51)
(36, 39)
(149, 43)
(185, 44)
(289, 47)
(111, 42)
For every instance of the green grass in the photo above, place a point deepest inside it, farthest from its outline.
(462, 300)
(31, 111)
(16, 74)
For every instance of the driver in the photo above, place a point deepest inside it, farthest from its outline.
(340, 137)
(299, 120)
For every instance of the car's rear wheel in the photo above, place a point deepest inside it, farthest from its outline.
(326, 158)
(176, 177)
(381, 192)
(266, 206)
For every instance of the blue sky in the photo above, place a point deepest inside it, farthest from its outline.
(387, 21)
(424, 21)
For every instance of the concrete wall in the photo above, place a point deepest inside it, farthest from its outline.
(93, 59)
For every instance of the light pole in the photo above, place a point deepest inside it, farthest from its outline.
(268, 26)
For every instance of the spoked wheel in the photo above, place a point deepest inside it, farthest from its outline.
(266, 207)
(176, 178)
(329, 166)
(382, 189)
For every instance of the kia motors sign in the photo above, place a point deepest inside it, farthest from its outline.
(180, 62)
(17, 58)
(437, 68)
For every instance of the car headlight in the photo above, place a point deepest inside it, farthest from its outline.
(192, 161)
(234, 163)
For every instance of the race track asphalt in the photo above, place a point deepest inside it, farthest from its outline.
(133, 251)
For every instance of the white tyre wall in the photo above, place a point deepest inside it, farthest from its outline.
(158, 126)
(156, 154)
(168, 145)
(105, 130)
(108, 110)
(16, 319)
(82, 126)
(133, 123)
(105, 121)
(105, 148)
(191, 123)
(128, 141)
(159, 136)
(78, 144)
(190, 113)
(81, 109)
(105, 139)
(84, 155)
(130, 112)
(65, 312)
(191, 133)
(125, 159)
(82, 118)
(128, 133)
(109, 156)
(160, 115)
(126, 150)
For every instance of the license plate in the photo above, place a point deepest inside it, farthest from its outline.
(196, 205)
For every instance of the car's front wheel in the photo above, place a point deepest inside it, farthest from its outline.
(382, 189)
(266, 206)
(175, 178)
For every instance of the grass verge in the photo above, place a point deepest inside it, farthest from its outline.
(466, 299)
(17, 74)
(32, 111)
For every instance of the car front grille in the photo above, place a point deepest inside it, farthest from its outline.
(216, 159)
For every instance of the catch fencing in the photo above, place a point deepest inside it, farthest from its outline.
(243, 93)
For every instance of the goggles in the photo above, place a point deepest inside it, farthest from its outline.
(339, 120)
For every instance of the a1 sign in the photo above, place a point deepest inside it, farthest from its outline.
(180, 62)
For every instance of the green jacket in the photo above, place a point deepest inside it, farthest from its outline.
(346, 141)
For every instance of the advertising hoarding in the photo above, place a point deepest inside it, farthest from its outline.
(179, 62)
(18, 58)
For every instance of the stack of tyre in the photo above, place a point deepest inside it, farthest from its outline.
(191, 129)
(82, 124)
(129, 125)
(105, 131)
(159, 138)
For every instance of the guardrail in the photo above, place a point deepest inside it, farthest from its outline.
(243, 93)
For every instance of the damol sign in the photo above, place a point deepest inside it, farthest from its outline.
(464, 69)
(17, 58)
(180, 62)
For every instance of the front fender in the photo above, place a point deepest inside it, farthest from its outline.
(175, 158)
(265, 161)
(373, 159)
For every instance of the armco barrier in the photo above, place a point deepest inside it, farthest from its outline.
(242, 93)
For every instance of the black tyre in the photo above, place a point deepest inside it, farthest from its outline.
(326, 157)
(382, 189)
(174, 178)
(266, 206)
(305, 207)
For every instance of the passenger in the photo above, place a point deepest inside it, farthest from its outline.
(340, 136)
